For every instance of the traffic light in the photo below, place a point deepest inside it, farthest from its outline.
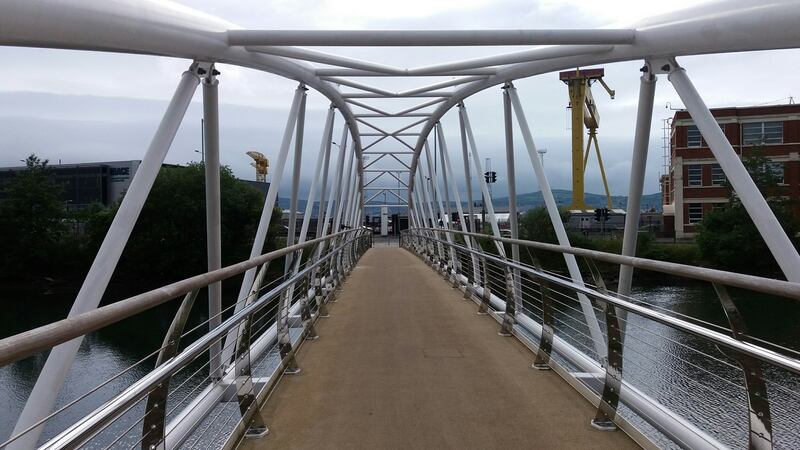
(490, 177)
(598, 213)
(493, 176)
(605, 214)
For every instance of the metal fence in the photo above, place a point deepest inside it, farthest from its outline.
(686, 382)
(182, 401)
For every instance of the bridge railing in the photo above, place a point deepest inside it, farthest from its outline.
(663, 376)
(179, 399)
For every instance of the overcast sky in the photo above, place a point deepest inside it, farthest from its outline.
(80, 106)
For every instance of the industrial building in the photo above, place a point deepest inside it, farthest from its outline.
(695, 183)
(86, 183)
(96, 182)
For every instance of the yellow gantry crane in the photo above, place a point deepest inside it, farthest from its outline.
(261, 163)
(584, 113)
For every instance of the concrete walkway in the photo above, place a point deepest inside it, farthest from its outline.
(404, 362)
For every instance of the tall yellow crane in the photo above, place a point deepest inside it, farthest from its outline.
(261, 163)
(584, 114)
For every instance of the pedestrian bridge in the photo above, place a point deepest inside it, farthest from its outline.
(451, 338)
(434, 376)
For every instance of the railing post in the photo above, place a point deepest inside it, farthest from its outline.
(609, 399)
(542, 361)
(759, 415)
(153, 421)
(245, 388)
(486, 298)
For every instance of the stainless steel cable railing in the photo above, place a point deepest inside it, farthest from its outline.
(179, 401)
(675, 378)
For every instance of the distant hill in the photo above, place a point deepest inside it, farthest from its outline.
(564, 198)
(534, 200)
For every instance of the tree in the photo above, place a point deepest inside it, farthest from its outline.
(31, 221)
(169, 240)
(535, 225)
(727, 237)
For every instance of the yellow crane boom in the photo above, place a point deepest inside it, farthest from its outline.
(261, 163)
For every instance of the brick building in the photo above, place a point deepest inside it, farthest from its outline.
(696, 184)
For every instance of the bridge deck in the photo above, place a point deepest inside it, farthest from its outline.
(404, 362)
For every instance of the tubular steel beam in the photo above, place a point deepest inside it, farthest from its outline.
(641, 142)
(428, 38)
(58, 363)
(266, 211)
(213, 208)
(555, 218)
(513, 294)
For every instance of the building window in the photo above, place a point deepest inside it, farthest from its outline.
(762, 132)
(693, 136)
(695, 175)
(717, 175)
(695, 212)
(777, 171)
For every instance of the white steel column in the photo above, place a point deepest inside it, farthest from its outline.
(467, 171)
(476, 161)
(297, 159)
(326, 140)
(447, 168)
(336, 188)
(438, 195)
(558, 226)
(266, 215)
(448, 209)
(641, 142)
(476, 273)
(347, 190)
(213, 210)
(764, 219)
(55, 370)
(512, 193)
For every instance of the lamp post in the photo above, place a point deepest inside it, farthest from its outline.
(541, 152)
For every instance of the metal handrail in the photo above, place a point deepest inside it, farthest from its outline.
(765, 355)
(758, 284)
(108, 412)
(617, 388)
(27, 343)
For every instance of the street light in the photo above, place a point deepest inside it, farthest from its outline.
(541, 152)
(202, 155)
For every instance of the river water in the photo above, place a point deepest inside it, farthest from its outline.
(660, 362)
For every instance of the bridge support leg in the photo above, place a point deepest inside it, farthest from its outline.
(55, 370)
(641, 142)
(266, 212)
(555, 218)
(468, 224)
(513, 286)
(213, 209)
